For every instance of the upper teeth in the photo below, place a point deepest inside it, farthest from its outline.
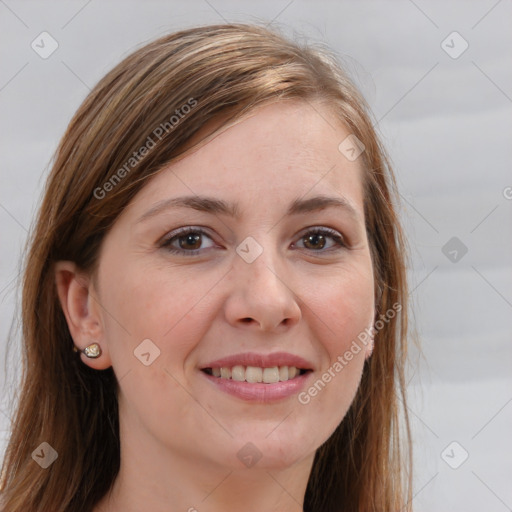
(255, 374)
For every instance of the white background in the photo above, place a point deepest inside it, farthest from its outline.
(446, 122)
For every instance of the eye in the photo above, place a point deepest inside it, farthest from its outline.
(316, 239)
(187, 241)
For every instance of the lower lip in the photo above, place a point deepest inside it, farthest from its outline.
(259, 392)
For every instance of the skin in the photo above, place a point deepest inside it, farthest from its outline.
(179, 434)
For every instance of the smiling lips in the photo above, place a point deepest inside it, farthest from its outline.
(258, 368)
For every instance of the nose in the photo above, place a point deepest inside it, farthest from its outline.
(262, 295)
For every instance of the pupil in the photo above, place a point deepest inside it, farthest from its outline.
(316, 239)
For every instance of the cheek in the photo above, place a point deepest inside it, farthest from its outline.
(343, 307)
(338, 316)
(169, 307)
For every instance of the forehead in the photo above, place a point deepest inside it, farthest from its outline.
(287, 148)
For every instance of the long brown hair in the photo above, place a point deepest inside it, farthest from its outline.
(217, 70)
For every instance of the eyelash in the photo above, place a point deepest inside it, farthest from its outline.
(166, 243)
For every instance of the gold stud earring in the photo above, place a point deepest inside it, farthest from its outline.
(92, 351)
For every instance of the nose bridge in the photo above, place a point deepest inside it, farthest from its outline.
(260, 261)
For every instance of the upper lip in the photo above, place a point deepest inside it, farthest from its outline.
(260, 360)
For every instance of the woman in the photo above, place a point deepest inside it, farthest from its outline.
(214, 301)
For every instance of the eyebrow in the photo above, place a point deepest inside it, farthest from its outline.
(218, 206)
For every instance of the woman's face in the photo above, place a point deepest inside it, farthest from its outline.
(265, 270)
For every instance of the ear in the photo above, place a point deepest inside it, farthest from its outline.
(81, 309)
(371, 342)
(369, 348)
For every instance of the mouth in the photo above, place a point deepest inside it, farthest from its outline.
(259, 378)
(256, 374)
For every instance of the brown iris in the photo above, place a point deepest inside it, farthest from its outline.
(314, 239)
(190, 241)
